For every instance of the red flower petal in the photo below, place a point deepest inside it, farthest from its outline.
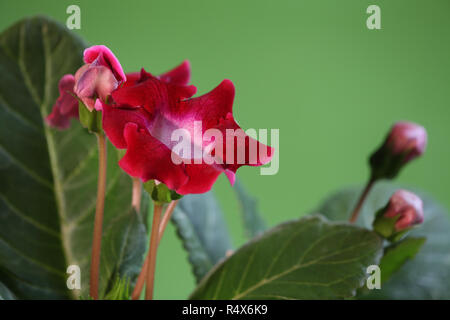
(180, 75)
(66, 106)
(115, 119)
(148, 158)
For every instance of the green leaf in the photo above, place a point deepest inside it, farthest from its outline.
(309, 258)
(253, 222)
(427, 276)
(5, 293)
(396, 255)
(201, 227)
(123, 247)
(49, 177)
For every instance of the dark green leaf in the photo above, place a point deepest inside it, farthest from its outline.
(427, 276)
(124, 246)
(309, 258)
(49, 177)
(202, 229)
(253, 222)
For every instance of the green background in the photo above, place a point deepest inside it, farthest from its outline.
(309, 68)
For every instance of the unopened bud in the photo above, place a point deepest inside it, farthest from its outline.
(403, 212)
(405, 141)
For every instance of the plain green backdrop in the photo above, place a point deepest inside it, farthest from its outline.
(309, 68)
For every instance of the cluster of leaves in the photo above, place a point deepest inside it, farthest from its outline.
(47, 203)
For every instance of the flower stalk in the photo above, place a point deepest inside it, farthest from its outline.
(150, 277)
(143, 275)
(361, 200)
(136, 194)
(98, 222)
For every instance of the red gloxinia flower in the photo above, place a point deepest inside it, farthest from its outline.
(147, 110)
(66, 106)
(101, 74)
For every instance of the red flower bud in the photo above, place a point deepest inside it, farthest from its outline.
(92, 82)
(404, 211)
(405, 141)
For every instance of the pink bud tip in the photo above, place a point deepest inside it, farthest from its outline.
(407, 206)
(407, 138)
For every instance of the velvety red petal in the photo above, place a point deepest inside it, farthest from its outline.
(208, 108)
(148, 158)
(253, 153)
(151, 93)
(201, 178)
(180, 75)
(115, 119)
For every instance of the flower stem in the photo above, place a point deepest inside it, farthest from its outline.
(98, 222)
(136, 197)
(166, 218)
(361, 200)
(143, 275)
(150, 277)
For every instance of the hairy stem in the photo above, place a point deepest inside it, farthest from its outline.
(143, 275)
(98, 222)
(166, 218)
(137, 192)
(361, 200)
(150, 277)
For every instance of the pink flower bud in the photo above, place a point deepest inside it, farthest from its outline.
(92, 82)
(406, 207)
(403, 211)
(408, 139)
(101, 74)
(405, 141)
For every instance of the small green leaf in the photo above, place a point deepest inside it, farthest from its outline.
(120, 290)
(427, 276)
(160, 192)
(201, 227)
(309, 258)
(396, 255)
(91, 120)
(253, 222)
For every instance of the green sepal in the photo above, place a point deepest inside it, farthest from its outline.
(160, 192)
(385, 164)
(91, 120)
(385, 227)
